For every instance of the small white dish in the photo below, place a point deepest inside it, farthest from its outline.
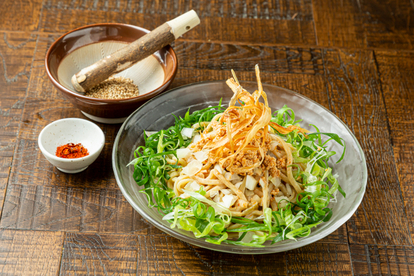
(71, 130)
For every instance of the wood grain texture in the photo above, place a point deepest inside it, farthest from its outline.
(338, 236)
(319, 259)
(273, 9)
(22, 15)
(382, 260)
(91, 254)
(223, 56)
(389, 24)
(361, 24)
(40, 86)
(314, 259)
(16, 51)
(195, 261)
(30, 252)
(69, 209)
(355, 96)
(397, 79)
(137, 254)
(338, 23)
(215, 27)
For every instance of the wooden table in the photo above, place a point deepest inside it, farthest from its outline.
(354, 57)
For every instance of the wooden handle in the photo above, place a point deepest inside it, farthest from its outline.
(134, 52)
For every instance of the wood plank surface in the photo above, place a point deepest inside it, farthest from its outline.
(338, 23)
(354, 57)
(382, 260)
(30, 252)
(92, 254)
(396, 71)
(70, 209)
(216, 24)
(364, 24)
(16, 53)
(243, 57)
(355, 96)
(21, 15)
(274, 9)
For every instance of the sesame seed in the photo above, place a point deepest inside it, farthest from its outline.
(114, 88)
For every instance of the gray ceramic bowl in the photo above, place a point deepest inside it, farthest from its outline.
(156, 115)
(82, 47)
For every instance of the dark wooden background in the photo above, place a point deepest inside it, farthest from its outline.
(355, 57)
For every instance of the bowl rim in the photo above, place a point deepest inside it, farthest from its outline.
(70, 160)
(138, 98)
(243, 249)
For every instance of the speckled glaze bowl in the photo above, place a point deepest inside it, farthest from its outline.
(65, 57)
(71, 130)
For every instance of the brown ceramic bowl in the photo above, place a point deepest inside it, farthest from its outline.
(86, 45)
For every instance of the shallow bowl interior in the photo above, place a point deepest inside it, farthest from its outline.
(147, 74)
(84, 46)
(352, 170)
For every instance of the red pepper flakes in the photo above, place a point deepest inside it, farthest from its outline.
(71, 150)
